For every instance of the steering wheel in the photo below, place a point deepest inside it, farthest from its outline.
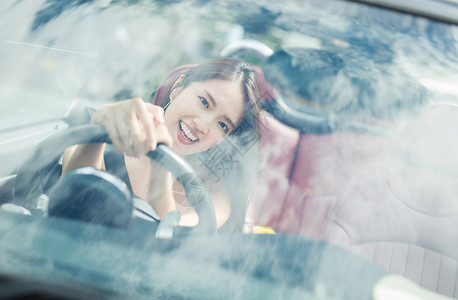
(29, 185)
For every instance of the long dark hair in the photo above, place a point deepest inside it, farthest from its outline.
(227, 69)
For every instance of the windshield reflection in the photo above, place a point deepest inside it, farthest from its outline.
(357, 132)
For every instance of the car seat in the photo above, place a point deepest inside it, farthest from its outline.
(402, 211)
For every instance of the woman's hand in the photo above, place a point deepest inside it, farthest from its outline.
(134, 126)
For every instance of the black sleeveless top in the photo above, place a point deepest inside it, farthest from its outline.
(115, 164)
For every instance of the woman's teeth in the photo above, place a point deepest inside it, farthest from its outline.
(187, 132)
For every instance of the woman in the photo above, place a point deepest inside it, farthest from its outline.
(205, 104)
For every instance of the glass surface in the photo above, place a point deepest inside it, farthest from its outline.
(38, 83)
(369, 97)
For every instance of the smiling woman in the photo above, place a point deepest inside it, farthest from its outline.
(200, 119)
(204, 105)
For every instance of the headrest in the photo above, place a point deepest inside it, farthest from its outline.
(422, 167)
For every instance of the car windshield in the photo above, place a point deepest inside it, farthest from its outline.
(355, 147)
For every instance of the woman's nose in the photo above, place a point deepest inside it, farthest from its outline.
(201, 125)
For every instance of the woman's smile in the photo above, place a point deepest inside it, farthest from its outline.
(186, 134)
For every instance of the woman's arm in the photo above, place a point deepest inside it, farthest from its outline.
(83, 155)
(134, 127)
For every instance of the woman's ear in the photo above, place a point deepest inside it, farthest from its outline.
(176, 87)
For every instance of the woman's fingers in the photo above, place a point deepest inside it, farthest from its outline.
(105, 116)
(115, 137)
(146, 116)
(163, 135)
(157, 111)
(134, 127)
(119, 129)
(131, 134)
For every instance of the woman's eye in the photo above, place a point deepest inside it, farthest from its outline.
(224, 126)
(204, 101)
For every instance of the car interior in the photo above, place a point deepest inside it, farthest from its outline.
(315, 182)
(364, 187)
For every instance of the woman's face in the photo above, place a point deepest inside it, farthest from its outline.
(202, 114)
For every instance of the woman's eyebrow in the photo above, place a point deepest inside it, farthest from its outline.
(229, 121)
(212, 100)
(210, 97)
